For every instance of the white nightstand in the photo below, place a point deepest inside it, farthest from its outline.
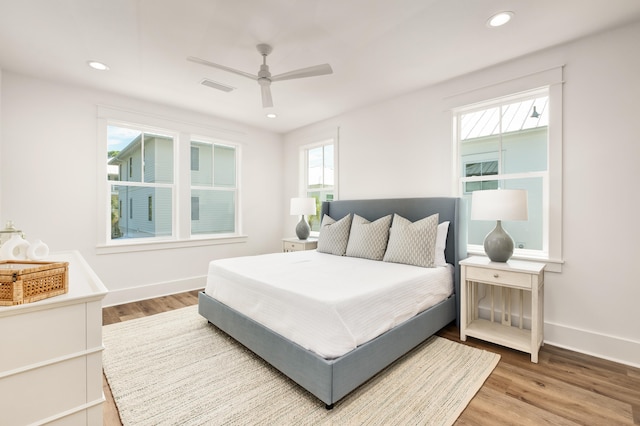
(512, 275)
(295, 244)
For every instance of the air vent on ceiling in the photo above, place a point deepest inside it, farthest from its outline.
(216, 85)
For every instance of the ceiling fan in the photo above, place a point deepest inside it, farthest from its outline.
(264, 77)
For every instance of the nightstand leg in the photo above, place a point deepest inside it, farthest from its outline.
(464, 306)
(535, 322)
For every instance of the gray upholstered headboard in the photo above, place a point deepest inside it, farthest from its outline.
(448, 208)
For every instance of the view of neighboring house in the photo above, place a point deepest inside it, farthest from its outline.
(143, 209)
(142, 198)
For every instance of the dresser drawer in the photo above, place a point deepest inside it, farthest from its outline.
(505, 278)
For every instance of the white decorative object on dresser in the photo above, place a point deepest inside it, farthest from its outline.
(506, 276)
(51, 353)
(295, 244)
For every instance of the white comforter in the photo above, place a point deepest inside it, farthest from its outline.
(327, 304)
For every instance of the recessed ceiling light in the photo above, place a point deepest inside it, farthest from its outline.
(97, 65)
(499, 19)
(272, 115)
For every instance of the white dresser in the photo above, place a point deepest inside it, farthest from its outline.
(51, 354)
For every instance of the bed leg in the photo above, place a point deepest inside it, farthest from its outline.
(329, 406)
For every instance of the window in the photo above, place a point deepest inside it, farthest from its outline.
(319, 176)
(144, 179)
(213, 188)
(148, 155)
(504, 143)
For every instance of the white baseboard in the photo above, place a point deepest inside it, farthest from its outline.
(612, 348)
(604, 346)
(150, 291)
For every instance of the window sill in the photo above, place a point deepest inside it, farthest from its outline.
(553, 265)
(136, 246)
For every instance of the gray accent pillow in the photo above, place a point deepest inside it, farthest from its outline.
(334, 236)
(368, 239)
(412, 243)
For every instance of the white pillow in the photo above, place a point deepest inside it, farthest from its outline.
(441, 244)
(412, 243)
(334, 236)
(368, 239)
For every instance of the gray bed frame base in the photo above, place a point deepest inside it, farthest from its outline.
(332, 379)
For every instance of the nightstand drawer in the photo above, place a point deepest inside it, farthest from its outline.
(289, 246)
(505, 278)
(294, 244)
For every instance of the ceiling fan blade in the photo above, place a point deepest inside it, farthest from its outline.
(304, 72)
(267, 101)
(222, 67)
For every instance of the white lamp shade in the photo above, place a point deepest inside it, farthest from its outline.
(305, 206)
(499, 204)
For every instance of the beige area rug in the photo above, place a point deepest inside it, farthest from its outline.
(176, 369)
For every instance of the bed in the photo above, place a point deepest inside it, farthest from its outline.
(332, 375)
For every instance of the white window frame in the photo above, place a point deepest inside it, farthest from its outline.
(552, 81)
(181, 228)
(304, 169)
(217, 142)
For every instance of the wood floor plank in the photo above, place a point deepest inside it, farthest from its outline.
(563, 398)
(492, 407)
(563, 388)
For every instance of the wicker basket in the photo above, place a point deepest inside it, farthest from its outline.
(23, 281)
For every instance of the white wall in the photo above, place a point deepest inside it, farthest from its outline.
(48, 183)
(402, 147)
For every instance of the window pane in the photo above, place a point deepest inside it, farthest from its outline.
(126, 154)
(149, 212)
(216, 212)
(224, 166)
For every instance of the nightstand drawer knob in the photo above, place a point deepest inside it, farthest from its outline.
(496, 275)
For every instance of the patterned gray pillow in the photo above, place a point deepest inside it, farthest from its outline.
(334, 236)
(368, 239)
(412, 243)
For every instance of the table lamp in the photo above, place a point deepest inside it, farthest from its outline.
(499, 205)
(302, 206)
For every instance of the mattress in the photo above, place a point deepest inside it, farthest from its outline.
(325, 303)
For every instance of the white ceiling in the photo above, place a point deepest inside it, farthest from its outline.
(377, 48)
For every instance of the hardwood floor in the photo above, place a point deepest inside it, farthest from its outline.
(564, 388)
